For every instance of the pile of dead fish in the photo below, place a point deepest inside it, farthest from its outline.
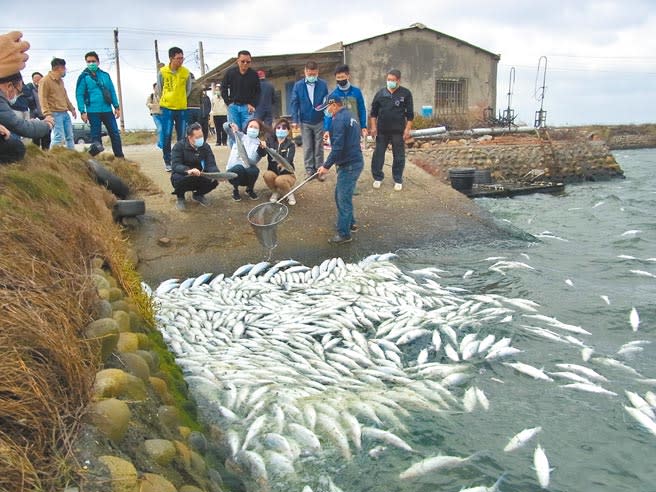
(304, 367)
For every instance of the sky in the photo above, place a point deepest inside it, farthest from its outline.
(600, 55)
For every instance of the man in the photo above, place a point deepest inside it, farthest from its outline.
(240, 90)
(219, 116)
(307, 94)
(12, 149)
(189, 158)
(35, 109)
(392, 113)
(205, 110)
(353, 98)
(55, 102)
(174, 85)
(264, 107)
(152, 103)
(96, 96)
(346, 154)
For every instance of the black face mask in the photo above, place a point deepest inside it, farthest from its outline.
(342, 83)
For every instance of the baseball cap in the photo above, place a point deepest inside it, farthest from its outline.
(333, 98)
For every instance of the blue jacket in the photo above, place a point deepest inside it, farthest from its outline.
(89, 94)
(344, 140)
(302, 108)
(354, 102)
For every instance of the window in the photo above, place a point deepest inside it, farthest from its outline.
(450, 96)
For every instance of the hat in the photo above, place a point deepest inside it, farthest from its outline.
(261, 74)
(333, 98)
(14, 77)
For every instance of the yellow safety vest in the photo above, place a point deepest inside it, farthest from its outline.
(174, 88)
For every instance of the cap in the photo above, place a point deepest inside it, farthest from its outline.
(14, 77)
(332, 98)
(261, 74)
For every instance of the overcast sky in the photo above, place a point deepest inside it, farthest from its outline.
(601, 55)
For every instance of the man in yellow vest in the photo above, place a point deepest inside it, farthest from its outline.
(174, 84)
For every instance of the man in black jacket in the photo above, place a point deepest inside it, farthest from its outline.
(189, 158)
(240, 90)
(391, 113)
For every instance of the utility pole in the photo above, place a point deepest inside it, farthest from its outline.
(201, 56)
(156, 58)
(118, 80)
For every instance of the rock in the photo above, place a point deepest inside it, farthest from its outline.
(162, 390)
(150, 482)
(121, 305)
(169, 417)
(103, 309)
(123, 474)
(100, 281)
(115, 294)
(216, 480)
(145, 344)
(111, 417)
(118, 383)
(184, 431)
(105, 331)
(112, 281)
(190, 488)
(97, 262)
(135, 365)
(123, 320)
(161, 451)
(148, 357)
(164, 241)
(198, 442)
(184, 453)
(137, 323)
(198, 464)
(103, 294)
(127, 342)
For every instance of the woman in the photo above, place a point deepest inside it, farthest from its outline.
(254, 148)
(277, 178)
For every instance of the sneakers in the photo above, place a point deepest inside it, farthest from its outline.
(274, 197)
(201, 199)
(168, 168)
(291, 199)
(398, 186)
(252, 195)
(180, 203)
(355, 228)
(377, 184)
(337, 239)
(235, 195)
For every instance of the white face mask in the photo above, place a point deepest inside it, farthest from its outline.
(13, 100)
(252, 132)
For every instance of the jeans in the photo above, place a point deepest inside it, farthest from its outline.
(398, 156)
(63, 130)
(246, 176)
(347, 177)
(106, 118)
(312, 137)
(239, 115)
(170, 118)
(158, 127)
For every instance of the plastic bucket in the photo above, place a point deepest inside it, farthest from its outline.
(427, 111)
(482, 176)
(462, 178)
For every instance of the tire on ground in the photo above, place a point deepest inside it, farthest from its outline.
(108, 179)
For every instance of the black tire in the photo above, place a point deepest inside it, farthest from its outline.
(81, 141)
(108, 179)
(128, 208)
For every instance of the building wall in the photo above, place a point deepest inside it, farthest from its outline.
(423, 56)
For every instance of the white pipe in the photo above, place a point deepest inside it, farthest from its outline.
(424, 132)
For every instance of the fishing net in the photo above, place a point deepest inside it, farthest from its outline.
(264, 219)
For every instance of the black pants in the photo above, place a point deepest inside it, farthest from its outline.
(221, 137)
(11, 150)
(43, 142)
(398, 156)
(200, 185)
(246, 176)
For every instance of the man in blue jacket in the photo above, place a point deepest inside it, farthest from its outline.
(95, 96)
(346, 154)
(307, 94)
(353, 98)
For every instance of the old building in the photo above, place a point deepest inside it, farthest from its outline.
(446, 75)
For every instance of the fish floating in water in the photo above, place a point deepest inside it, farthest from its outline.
(521, 439)
(541, 464)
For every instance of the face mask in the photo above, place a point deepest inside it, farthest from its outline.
(280, 133)
(13, 99)
(311, 79)
(327, 113)
(252, 132)
(391, 84)
(343, 83)
(92, 66)
(63, 75)
(198, 143)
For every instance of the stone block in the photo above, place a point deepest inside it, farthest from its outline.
(135, 364)
(111, 417)
(105, 331)
(151, 482)
(127, 342)
(161, 451)
(123, 320)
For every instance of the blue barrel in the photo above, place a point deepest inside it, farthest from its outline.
(427, 111)
(462, 178)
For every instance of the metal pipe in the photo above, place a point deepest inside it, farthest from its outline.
(424, 132)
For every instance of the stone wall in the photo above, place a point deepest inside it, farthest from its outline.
(632, 141)
(515, 158)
